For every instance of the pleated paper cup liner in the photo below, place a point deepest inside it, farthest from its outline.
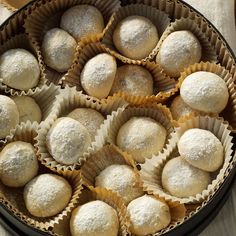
(45, 15)
(70, 99)
(164, 87)
(45, 98)
(67, 101)
(106, 156)
(208, 50)
(229, 113)
(71, 77)
(158, 112)
(107, 196)
(87, 49)
(21, 41)
(166, 6)
(225, 57)
(193, 209)
(151, 170)
(25, 132)
(13, 199)
(110, 155)
(157, 17)
(179, 112)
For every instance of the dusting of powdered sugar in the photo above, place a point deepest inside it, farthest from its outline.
(47, 195)
(205, 91)
(67, 140)
(134, 80)
(121, 179)
(182, 179)
(95, 218)
(148, 215)
(19, 69)
(18, 164)
(135, 37)
(142, 137)
(82, 21)
(9, 115)
(179, 50)
(89, 118)
(98, 75)
(202, 149)
(58, 49)
(179, 108)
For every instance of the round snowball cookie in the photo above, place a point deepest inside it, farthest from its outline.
(89, 118)
(82, 21)
(98, 75)
(95, 218)
(24, 74)
(179, 50)
(9, 115)
(179, 108)
(148, 215)
(47, 195)
(142, 137)
(135, 37)
(134, 80)
(28, 109)
(182, 180)
(205, 91)
(18, 164)
(121, 179)
(58, 49)
(202, 149)
(67, 140)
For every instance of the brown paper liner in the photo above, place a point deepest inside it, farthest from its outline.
(47, 16)
(67, 101)
(106, 156)
(229, 113)
(109, 155)
(225, 56)
(87, 49)
(177, 10)
(166, 6)
(160, 113)
(107, 196)
(22, 41)
(45, 98)
(158, 18)
(182, 118)
(194, 209)
(164, 87)
(12, 26)
(70, 99)
(151, 170)
(208, 50)
(44, 16)
(12, 198)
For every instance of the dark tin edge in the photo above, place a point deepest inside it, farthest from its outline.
(222, 193)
